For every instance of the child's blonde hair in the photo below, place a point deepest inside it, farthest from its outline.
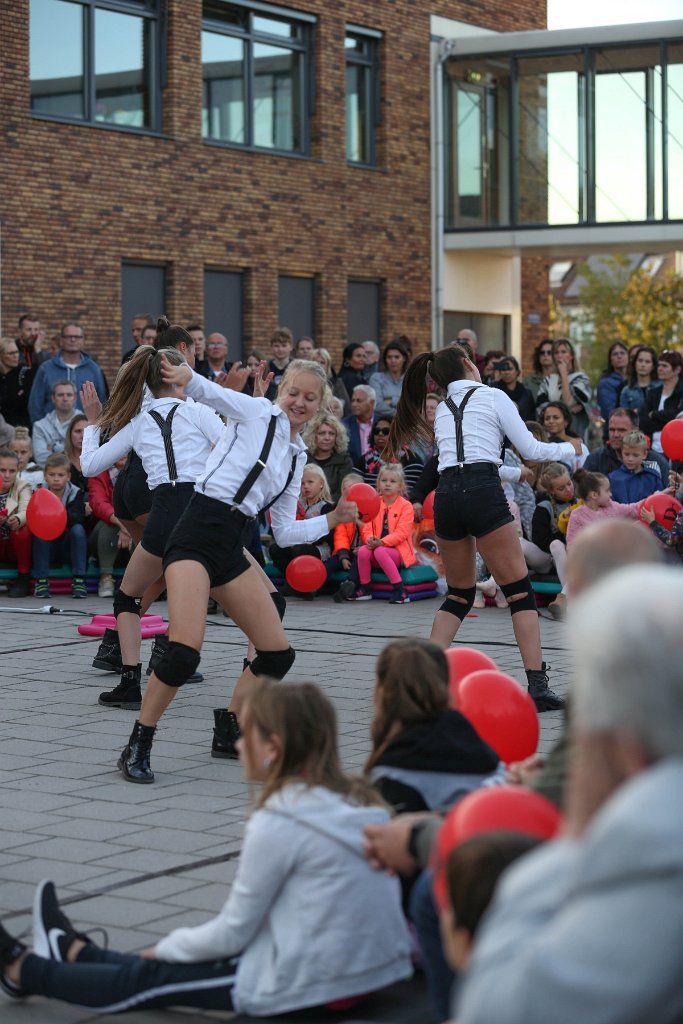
(349, 480)
(315, 470)
(552, 472)
(635, 439)
(397, 468)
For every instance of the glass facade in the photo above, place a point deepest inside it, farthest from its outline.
(95, 62)
(588, 136)
(255, 78)
(362, 96)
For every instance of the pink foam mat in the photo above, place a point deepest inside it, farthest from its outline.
(150, 625)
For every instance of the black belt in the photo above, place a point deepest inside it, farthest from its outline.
(472, 467)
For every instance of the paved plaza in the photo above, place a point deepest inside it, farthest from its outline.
(141, 860)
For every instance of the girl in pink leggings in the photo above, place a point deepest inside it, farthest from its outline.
(387, 540)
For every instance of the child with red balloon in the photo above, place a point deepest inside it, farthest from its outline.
(45, 520)
(596, 493)
(15, 539)
(314, 500)
(387, 539)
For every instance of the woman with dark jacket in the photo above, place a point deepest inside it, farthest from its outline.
(664, 400)
(509, 382)
(15, 385)
(353, 364)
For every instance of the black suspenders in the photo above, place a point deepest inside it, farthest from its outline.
(258, 467)
(166, 427)
(457, 411)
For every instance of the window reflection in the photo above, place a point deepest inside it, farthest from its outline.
(56, 58)
(223, 105)
(276, 97)
(121, 56)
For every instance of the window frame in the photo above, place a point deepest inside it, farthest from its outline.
(155, 13)
(301, 44)
(371, 62)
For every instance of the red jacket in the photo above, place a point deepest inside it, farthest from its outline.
(400, 536)
(101, 496)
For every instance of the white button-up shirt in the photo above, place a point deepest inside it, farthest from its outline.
(237, 452)
(195, 431)
(489, 416)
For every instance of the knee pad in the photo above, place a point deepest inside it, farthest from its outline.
(459, 608)
(126, 603)
(275, 664)
(280, 603)
(177, 664)
(526, 602)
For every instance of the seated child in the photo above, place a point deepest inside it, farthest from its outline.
(315, 500)
(388, 539)
(73, 542)
(547, 548)
(595, 490)
(346, 541)
(15, 539)
(633, 481)
(29, 471)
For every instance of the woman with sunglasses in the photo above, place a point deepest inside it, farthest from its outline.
(544, 365)
(376, 456)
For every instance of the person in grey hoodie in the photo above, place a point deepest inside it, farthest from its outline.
(70, 364)
(589, 927)
(49, 433)
(307, 923)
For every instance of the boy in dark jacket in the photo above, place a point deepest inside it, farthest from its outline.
(633, 481)
(57, 474)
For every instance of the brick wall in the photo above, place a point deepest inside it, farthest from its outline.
(76, 200)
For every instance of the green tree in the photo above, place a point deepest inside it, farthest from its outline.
(620, 304)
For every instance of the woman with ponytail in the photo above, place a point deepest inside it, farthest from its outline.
(173, 438)
(470, 508)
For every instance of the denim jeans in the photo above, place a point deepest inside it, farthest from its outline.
(71, 546)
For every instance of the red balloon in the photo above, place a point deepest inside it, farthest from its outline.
(462, 661)
(665, 508)
(428, 506)
(502, 712)
(306, 573)
(367, 499)
(499, 808)
(672, 439)
(45, 515)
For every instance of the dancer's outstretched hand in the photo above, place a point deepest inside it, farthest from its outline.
(90, 402)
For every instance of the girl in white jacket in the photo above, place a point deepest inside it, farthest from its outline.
(307, 923)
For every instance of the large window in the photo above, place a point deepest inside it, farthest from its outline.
(362, 94)
(95, 61)
(256, 66)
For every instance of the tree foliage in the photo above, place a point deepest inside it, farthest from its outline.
(621, 304)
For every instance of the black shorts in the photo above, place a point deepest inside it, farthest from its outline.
(470, 502)
(211, 533)
(132, 496)
(168, 505)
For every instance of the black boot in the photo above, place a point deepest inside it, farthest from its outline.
(21, 585)
(159, 648)
(108, 656)
(134, 759)
(226, 732)
(539, 691)
(127, 694)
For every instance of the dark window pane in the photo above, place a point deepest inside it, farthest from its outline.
(216, 10)
(363, 309)
(275, 27)
(296, 305)
(357, 113)
(358, 45)
(57, 80)
(223, 308)
(122, 55)
(277, 98)
(223, 103)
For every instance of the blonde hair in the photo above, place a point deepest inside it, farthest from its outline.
(635, 439)
(350, 479)
(303, 721)
(311, 467)
(326, 358)
(326, 419)
(306, 366)
(397, 468)
(125, 399)
(552, 472)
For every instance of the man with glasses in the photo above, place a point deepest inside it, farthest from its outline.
(70, 364)
(217, 357)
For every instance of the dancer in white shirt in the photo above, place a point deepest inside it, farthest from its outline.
(470, 508)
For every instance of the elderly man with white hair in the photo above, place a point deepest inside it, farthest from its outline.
(589, 927)
(361, 421)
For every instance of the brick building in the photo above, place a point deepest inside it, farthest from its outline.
(236, 163)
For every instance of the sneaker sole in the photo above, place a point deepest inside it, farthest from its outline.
(124, 705)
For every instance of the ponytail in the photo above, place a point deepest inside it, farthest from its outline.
(125, 399)
(444, 366)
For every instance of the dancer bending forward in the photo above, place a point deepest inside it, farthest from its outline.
(470, 508)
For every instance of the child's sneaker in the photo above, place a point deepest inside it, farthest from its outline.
(10, 950)
(53, 932)
(41, 588)
(362, 594)
(399, 596)
(78, 588)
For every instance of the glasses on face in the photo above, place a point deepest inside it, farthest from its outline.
(72, 337)
(545, 352)
(381, 430)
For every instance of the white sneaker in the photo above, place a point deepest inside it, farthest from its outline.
(106, 586)
(479, 600)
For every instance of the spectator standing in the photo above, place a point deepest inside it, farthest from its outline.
(613, 379)
(304, 348)
(371, 353)
(467, 335)
(664, 400)
(359, 424)
(15, 539)
(568, 384)
(353, 366)
(642, 374)
(217, 348)
(336, 384)
(544, 365)
(49, 432)
(15, 385)
(29, 340)
(387, 385)
(137, 326)
(509, 371)
(70, 364)
(328, 447)
(281, 344)
(196, 332)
